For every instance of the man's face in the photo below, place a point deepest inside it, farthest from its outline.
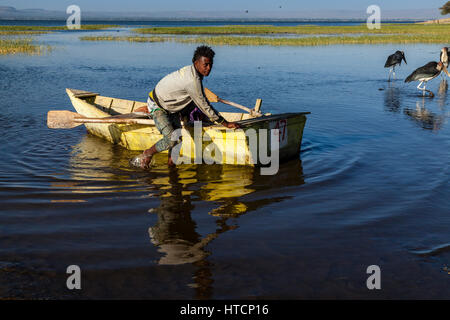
(203, 65)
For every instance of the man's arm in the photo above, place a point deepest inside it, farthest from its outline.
(195, 91)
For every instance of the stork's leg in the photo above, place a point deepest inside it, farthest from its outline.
(389, 78)
(418, 87)
(423, 89)
(393, 71)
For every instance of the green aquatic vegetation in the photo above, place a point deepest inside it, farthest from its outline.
(280, 41)
(407, 28)
(317, 41)
(21, 45)
(129, 39)
(12, 43)
(359, 34)
(14, 33)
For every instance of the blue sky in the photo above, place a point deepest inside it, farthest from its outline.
(221, 5)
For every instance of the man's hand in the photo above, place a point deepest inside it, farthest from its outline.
(231, 125)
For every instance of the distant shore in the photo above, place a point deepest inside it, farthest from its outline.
(438, 21)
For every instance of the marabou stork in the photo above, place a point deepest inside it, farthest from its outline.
(425, 73)
(393, 60)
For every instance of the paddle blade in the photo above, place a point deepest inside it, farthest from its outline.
(62, 119)
(211, 96)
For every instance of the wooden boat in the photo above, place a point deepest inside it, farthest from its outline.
(218, 144)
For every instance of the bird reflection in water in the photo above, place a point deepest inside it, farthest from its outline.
(442, 93)
(425, 118)
(421, 115)
(392, 102)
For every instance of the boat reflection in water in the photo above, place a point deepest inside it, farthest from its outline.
(175, 232)
(224, 185)
(94, 168)
(183, 197)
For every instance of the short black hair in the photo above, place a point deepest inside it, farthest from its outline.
(203, 51)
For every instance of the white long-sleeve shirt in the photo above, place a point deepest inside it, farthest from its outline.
(178, 89)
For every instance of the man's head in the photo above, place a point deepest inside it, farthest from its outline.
(203, 60)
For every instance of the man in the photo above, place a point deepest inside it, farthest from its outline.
(179, 93)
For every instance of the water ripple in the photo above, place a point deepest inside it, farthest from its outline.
(434, 251)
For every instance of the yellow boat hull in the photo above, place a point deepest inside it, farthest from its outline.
(218, 144)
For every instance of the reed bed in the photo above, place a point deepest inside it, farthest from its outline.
(11, 44)
(14, 33)
(395, 29)
(129, 39)
(279, 41)
(21, 45)
(317, 41)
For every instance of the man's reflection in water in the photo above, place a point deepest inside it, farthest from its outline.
(175, 233)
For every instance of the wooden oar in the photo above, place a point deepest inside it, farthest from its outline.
(64, 119)
(212, 97)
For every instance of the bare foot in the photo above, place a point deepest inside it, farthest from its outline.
(141, 161)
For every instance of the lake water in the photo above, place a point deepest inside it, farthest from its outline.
(371, 186)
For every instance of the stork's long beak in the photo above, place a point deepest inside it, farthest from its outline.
(404, 59)
(445, 70)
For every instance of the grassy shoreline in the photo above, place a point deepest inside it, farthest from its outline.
(242, 35)
(395, 29)
(10, 44)
(268, 41)
(315, 35)
(125, 38)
